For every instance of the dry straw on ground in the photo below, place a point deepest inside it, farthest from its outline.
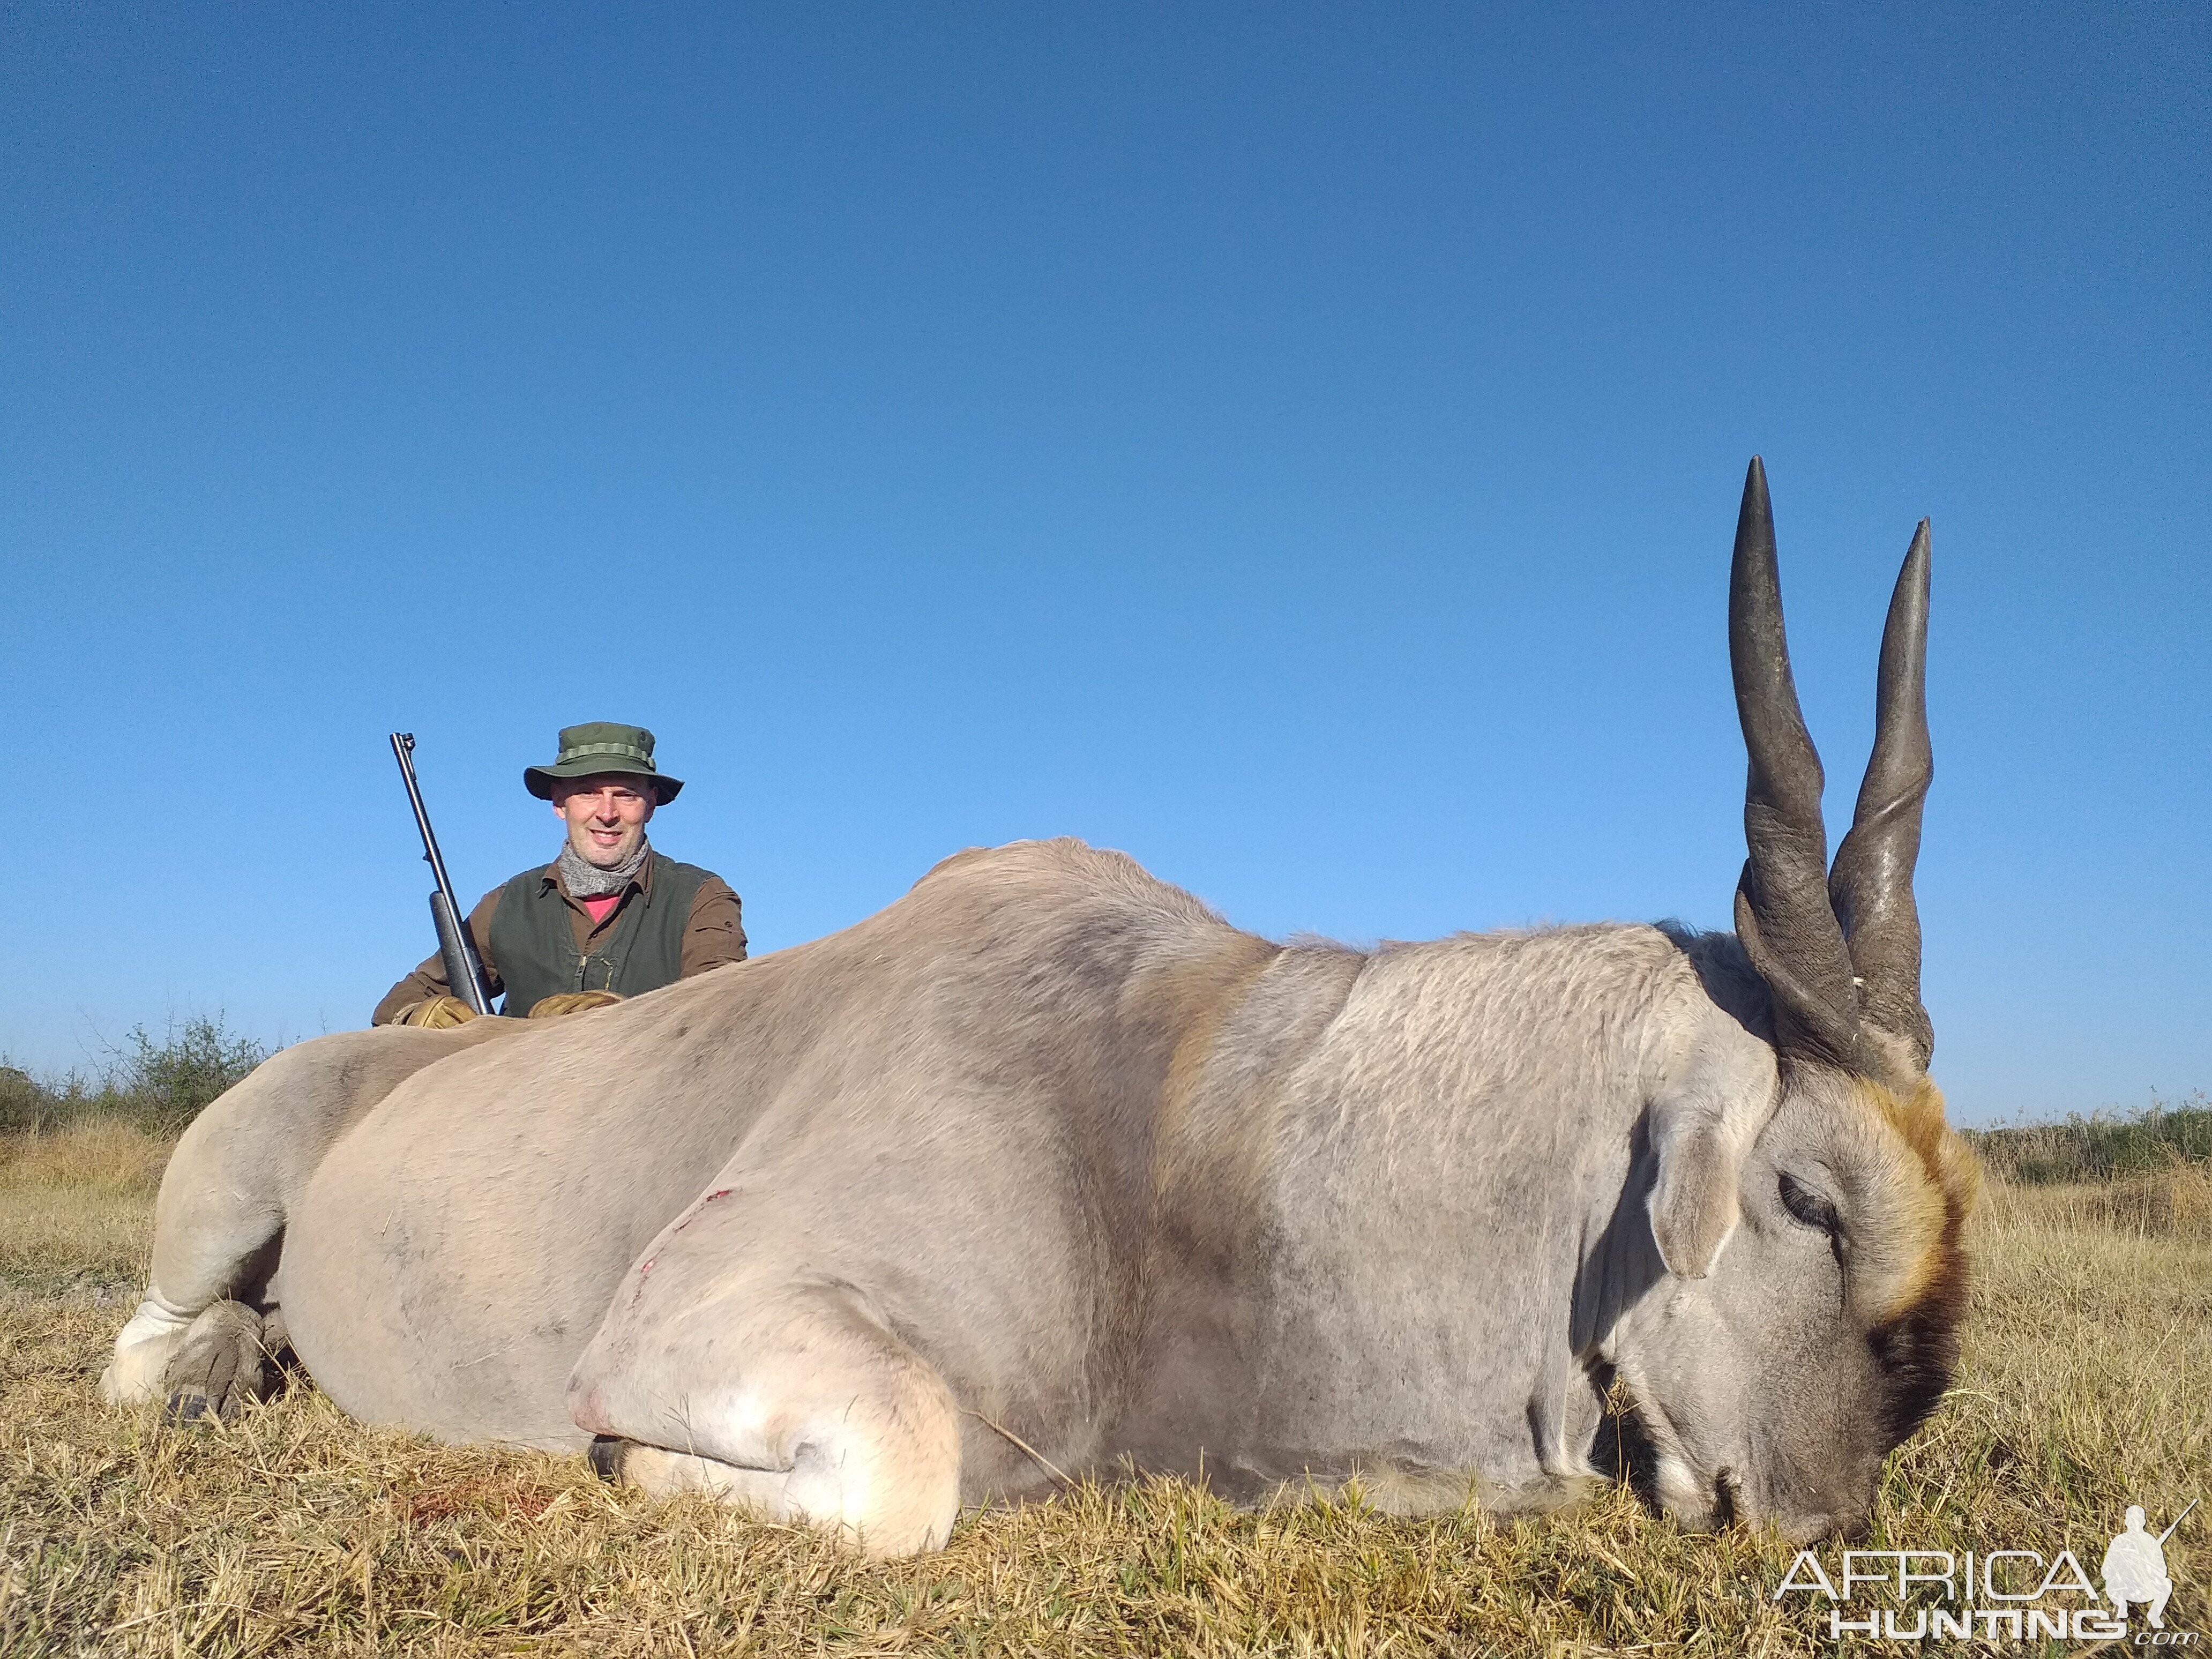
(296, 1531)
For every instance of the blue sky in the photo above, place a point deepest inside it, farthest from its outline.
(1297, 444)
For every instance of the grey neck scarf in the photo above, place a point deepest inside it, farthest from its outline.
(581, 878)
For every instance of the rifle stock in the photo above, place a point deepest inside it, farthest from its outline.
(457, 949)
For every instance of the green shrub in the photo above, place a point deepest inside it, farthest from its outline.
(169, 1082)
(159, 1086)
(2099, 1146)
(23, 1102)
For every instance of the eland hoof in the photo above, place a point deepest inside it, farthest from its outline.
(220, 1365)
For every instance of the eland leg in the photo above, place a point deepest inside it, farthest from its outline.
(218, 1222)
(800, 1405)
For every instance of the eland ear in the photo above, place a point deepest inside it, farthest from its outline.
(1703, 1118)
(1694, 1201)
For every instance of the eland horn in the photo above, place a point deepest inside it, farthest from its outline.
(1783, 913)
(1871, 887)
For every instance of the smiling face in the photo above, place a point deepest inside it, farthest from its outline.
(606, 814)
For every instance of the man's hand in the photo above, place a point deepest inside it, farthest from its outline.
(563, 1003)
(437, 1014)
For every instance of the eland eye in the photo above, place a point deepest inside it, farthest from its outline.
(1809, 1206)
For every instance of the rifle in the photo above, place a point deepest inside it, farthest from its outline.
(464, 967)
(2177, 1520)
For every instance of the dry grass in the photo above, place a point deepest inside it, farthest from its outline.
(296, 1531)
(77, 1206)
(2175, 1203)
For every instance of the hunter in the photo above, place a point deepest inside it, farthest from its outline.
(609, 919)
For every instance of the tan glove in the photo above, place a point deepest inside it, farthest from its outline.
(438, 1014)
(562, 1004)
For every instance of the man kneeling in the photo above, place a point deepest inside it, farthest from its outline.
(609, 918)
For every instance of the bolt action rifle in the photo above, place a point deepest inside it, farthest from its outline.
(464, 970)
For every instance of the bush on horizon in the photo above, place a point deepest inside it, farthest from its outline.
(160, 1087)
(2100, 1146)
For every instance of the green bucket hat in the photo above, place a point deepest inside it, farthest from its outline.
(600, 746)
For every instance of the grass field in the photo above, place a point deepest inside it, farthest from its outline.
(295, 1531)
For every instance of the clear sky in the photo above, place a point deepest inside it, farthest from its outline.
(1297, 444)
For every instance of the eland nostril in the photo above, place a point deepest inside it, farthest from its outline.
(606, 1457)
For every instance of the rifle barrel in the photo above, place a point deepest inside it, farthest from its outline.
(2177, 1520)
(454, 945)
(403, 749)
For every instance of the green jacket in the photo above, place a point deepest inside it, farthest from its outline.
(534, 941)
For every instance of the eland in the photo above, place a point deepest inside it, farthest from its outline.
(1046, 1170)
